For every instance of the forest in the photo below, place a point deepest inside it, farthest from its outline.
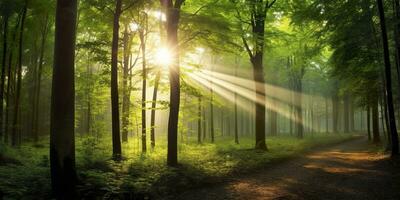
(199, 99)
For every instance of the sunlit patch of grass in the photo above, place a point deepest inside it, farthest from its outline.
(141, 174)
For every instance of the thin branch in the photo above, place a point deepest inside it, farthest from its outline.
(191, 38)
(136, 59)
(246, 45)
(269, 5)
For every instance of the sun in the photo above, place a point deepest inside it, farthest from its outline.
(163, 57)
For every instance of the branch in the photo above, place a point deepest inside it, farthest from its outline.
(104, 8)
(246, 45)
(269, 5)
(191, 38)
(202, 7)
(136, 59)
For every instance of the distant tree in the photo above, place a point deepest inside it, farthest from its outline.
(255, 14)
(15, 126)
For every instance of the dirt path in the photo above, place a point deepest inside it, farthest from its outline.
(345, 171)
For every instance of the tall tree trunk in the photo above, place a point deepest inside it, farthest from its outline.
(396, 32)
(375, 123)
(172, 24)
(16, 126)
(10, 78)
(62, 141)
(351, 114)
(144, 89)
(125, 88)
(116, 140)
(369, 122)
(204, 124)
(212, 130)
(326, 116)
(389, 95)
(236, 117)
(335, 113)
(258, 11)
(155, 92)
(346, 113)
(260, 99)
(38, 80)
(385, 119)
(291, 119)
(3, 71)
(299, 110)
(273, 119)
(199, 121)
(153, 110)
(312, 124)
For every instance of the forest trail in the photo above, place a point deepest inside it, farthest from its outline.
(344, 171)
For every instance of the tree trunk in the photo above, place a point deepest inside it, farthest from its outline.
(125, 88)
(38, 76)
(88, 96)
(153, 110)
(144, 89)
(351, 114)
(273, 119)
(299, 110)
(389, 95)
(375, 123)
(346, 113)
(204, 124)
(369, 122)
(172, 24)
(62, 141)
(116, 140)
(236, 120)
(212, 130)
(396, 32)
(258, 74)
(199, 121)
(16, 126)
(326, 116)
(335, 113)
(3, 72)
(10, 78)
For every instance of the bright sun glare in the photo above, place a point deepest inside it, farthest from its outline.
(163, 57)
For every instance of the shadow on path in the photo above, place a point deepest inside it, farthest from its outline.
(345, 171)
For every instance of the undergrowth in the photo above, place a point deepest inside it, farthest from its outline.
(139, 175)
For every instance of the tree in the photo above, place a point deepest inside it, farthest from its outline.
(199, 119)
(5, 13)
(388, 78)
(62, 142)
(256, 17)
(172, 9)
(38, 80)
(143, 36)
(116, 140)
(16, 127)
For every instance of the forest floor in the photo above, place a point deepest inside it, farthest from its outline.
(351, 170)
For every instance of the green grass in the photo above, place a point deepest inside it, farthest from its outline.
(146, 174)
